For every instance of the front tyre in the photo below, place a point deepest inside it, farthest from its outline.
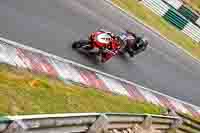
(131, 54)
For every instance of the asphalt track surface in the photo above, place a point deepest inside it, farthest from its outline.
(52, 25)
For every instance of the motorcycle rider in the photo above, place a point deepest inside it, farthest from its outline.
(133, 43)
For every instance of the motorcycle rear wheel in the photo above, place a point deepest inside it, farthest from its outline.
(79, 44)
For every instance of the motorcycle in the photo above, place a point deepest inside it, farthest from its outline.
(97, 44)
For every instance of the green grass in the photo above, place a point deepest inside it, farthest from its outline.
(158, 23)
(195, 4)
(50, 95)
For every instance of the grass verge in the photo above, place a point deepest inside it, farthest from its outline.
(195, 4)
(158, 23)
(24, 92)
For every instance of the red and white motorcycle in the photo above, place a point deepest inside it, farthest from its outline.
(98, 44)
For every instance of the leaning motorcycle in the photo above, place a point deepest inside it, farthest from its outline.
(97, 44)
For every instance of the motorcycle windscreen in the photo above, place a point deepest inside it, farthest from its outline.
(104, 38)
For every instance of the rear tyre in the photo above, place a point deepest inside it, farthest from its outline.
(79, 44)
(76, 45)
